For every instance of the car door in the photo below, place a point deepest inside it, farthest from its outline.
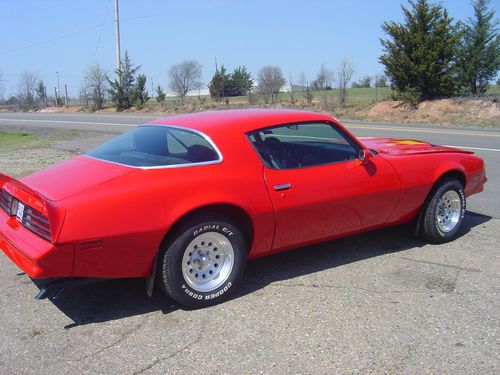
(318, 185)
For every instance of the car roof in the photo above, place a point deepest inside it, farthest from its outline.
(239, 120)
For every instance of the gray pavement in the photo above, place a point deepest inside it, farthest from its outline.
(381, 302)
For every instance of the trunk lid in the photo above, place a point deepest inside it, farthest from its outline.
(72, 177)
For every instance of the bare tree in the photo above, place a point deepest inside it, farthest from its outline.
(292, 88)
(302, 81)
(324, 82)
(184, 77)
(26, 93)
(324, 78)
(270, 80)
(84, 96)
(345, 72)
(96, 85)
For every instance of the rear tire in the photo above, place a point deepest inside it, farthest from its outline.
(444, 212)
(204, 263)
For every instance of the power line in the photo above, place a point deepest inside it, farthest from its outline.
(67, 35)
(102, 28)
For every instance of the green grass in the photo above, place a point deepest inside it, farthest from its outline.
(493, 90)
(20, 139)
(355, 97)
(16, 140)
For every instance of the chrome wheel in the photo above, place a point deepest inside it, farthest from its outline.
(207, 261)
(449, 208)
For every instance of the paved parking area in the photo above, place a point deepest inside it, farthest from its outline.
(382, 302)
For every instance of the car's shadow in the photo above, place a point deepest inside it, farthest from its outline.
(115, 299)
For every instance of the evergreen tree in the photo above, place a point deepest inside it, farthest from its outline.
(219, 83)
(479, 52)
(160, 95)
(41, 91)
(141, 95)
(419, 53)
(240, 82)
(123, 93)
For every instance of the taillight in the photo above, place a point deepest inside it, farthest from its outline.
(30, 218)
(36, 222)
(6, 202)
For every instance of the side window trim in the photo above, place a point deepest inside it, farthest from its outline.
(219, 159)
(256, 134)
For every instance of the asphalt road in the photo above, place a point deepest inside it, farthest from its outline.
(484, 142)
(381, 302)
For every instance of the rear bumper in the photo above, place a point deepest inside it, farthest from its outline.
(35, 256)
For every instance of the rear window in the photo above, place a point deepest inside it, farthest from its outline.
(158, 146)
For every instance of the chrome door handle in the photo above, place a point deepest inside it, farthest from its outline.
(282, 187)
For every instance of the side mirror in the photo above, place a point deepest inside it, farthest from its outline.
(364, 156)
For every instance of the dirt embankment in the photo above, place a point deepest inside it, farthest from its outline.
(467, 112)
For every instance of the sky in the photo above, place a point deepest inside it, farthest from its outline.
(49, 36)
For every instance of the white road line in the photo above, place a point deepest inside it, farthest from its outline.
(475, 148)
(67, 122)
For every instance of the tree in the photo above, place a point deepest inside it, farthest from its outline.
(123, 92)
(96, 84)
(26, 93)
(185, 77)
(218, 84)
(160, 96)
(41, 91)
(240, 81)
(344, 72)
(324, 79)
(270, 80)
(380, 80)
(479, 50)
(309, 96)
(323, 82)
(364, 82)
(141, 95)
(419, 53)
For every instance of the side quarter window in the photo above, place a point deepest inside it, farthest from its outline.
(303, 145)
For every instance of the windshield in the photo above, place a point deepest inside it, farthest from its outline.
(158, 146)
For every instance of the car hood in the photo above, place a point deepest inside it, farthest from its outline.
(406, 146)
(74, 176)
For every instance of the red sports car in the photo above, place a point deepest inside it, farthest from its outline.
(186, 200)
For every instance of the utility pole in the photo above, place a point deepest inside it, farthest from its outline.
(58, 82)
(117, 31)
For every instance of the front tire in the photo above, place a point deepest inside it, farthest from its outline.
(204, 263)
(444, 212)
